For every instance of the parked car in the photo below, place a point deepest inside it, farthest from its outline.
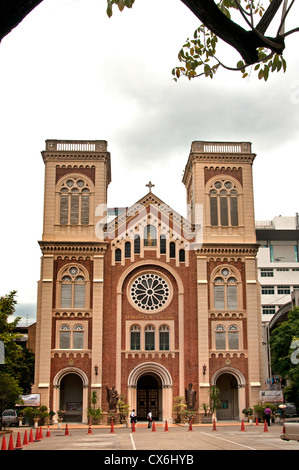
(290, 430)
(290, 410)
(10, 418)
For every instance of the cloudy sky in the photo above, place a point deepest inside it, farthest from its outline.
(69, 72)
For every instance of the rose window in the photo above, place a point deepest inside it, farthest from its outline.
(150, 292)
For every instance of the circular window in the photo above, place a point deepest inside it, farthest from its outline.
(149, 292)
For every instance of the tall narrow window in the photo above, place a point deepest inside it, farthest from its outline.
(73, 285)
(149, 335)
(225, 290)
(137, 244)
(150, 238)
(65, 337)
(135, 338)
(220, 334)
(172, 250)
(164, 338)
(162, 244)
(128, 250)
(182, 255)
(224, 204)
(118, 254)
(74, 202)
(233, 337)
(78, 337)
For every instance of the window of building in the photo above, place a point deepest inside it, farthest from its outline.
(150, 238)
(128, 250)
(172, 250)
(233, 337)
(71, 338)
(226, 339)
(137, 244)
(225, 290)
(163, 244)
(224, 204)
(268, 290)
(220, 334)
(267, 272)
(149, 336)
(135, 338)
(74, 202)
(118, 254)
(283, 290)
(164, 338)
(268, 309)
(182, 255)
(72, 289)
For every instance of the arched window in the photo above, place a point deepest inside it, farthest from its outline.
(164, 338)
(128, 250)
(135, 338)
(137, 244)
(78, 337)
(224, 204)
(65, 337)
(74, 202)
(172, 250)
(233, 337)
(118, 254)
(182, 255)
(220, 337)
(225, 290)
(149, 336)
(150, 238)
(72, 288)
(71, 339)
(162, 244)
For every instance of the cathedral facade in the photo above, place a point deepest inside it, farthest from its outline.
(147, 303)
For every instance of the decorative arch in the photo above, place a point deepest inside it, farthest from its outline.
(147, 368)
(229, 370)
(70, 370)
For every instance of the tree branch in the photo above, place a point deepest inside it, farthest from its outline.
(12, 12)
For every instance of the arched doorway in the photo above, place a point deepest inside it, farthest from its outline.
(149, 396)
(71, 397)
(229, 397)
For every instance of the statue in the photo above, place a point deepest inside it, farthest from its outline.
(190, 396)
(112, 397)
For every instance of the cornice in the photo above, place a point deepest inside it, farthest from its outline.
(73, 247)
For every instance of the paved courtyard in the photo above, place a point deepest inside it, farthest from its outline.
(177, 439)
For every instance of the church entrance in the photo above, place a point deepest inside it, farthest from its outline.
(228, 386)
(71, 397)
(149, 397)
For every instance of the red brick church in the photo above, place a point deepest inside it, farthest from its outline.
(145, 301)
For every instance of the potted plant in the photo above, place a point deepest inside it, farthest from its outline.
(51, 414)
(95, 415)
(248, 412)
(215, 402)
(60, 415)
(179, 407)
(207, 418)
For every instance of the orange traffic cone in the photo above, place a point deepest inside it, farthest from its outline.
(10, 445)
(25, 440)
(112, 427)
(190, 425)
(89, 429)
(133, 426)
(214, 425)
(37, 438)
(265, 426)
(66, 430)
(242, 426)
(154, 426)
(256, 421)
(166, 426)
(48, 432)
(3, 447)
(18, 443)
(40, 433)
(31, 436)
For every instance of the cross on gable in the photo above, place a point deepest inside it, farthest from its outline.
(150, 185)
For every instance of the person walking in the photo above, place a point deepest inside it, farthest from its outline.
(149, 418)
(268, 412)
(133, 418)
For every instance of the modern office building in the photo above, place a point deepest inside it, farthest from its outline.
(148, 302)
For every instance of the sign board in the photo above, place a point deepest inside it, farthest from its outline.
(30, 400)
(271, 396)
(2, 353)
